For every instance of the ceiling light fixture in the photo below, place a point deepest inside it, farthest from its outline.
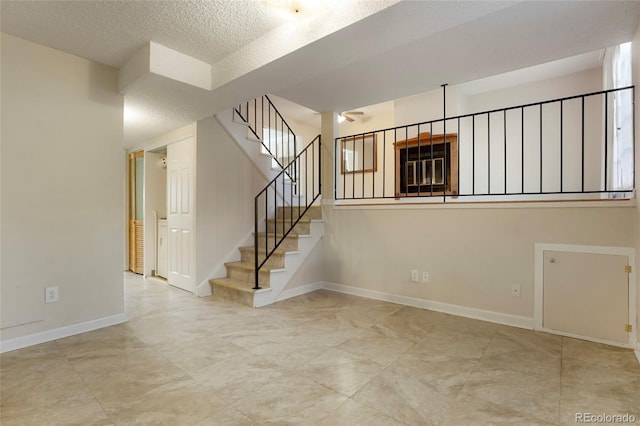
(341, 118)
(297, 7)
(289, 6)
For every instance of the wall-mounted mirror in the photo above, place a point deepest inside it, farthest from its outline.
(359, 154)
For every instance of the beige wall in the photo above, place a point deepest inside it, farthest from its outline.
(380, 117)
(304, 132)
(636, 81)
(568, 85)
(62, 190)
(311, 271)
(473, 255)
(227, 182)
(426, 107)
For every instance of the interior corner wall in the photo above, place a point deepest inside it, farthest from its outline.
(62, 192)
(227, 182)
(473, 255)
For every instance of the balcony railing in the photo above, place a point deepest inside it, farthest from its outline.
(577, 147)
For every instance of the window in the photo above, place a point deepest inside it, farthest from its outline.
(622, 173)
(617, 74)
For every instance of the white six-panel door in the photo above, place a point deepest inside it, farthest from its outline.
(180, 213)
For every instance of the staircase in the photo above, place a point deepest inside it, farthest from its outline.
(278, 269)
(287, 224)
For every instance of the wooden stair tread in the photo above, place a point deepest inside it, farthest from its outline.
(244, 286)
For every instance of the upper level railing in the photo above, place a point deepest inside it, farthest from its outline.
(577, 147)
(268, 126)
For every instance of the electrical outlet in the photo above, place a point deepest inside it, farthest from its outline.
(426, 277)
(414, 275)
(50, 294)
(515, 290)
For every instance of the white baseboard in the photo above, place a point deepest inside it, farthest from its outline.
(637, 352)
(463, 311)
(59, 333)
(299, 291)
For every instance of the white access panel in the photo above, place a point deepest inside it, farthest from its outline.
(586, 292)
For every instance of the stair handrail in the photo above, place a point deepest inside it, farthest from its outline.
(252, 124)
(312, 147)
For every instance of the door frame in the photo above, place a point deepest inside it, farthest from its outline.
(135, 227)
(538, 311)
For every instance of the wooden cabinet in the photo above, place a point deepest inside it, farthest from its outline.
(427, 165)
(136, 246)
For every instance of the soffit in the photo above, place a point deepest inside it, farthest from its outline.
(515, 37)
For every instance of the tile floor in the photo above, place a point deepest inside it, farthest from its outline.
(319, 359)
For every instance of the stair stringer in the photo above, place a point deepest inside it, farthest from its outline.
(238, 132)
(251, 147)
(293, 261)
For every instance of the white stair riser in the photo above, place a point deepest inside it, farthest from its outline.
(301, 228)
(233, 295)
(248, 275)
(275, 261)
(314, 212)
(288, 244)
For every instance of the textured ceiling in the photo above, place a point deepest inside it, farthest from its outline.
(111, 31)
(359, 52)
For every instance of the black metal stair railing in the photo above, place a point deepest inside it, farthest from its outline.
(268, 126)
(308, 164)
(575, 147)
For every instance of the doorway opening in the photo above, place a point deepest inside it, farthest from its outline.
(155, 207)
